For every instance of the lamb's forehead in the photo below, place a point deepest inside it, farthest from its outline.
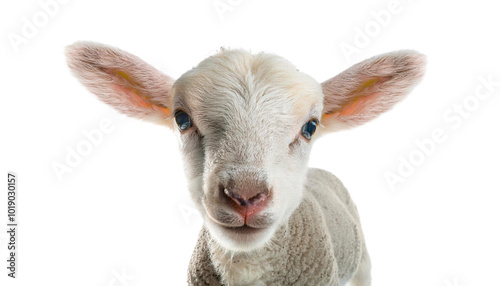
(264, 85)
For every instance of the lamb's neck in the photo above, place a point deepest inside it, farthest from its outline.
(234, 267)
(300, 249)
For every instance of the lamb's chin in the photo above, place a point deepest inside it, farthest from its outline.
(241, 239)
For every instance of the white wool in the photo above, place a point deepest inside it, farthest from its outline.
(269, 219)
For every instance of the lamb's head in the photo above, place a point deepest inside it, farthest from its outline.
(245, 124)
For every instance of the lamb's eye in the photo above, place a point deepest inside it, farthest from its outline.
(309, 128)
(183, 120)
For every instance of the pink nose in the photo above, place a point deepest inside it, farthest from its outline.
(250, 203)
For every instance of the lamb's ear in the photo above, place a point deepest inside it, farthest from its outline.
(122, 80)
(369, 88)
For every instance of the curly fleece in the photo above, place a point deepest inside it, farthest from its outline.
(321, 244)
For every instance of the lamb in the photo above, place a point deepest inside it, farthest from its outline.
(246, 123)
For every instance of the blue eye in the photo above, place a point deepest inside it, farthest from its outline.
(183, 120)
(309, 128)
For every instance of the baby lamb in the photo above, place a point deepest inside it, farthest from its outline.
(246, 123)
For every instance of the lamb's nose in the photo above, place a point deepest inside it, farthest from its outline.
(253, 199)
(248, 201)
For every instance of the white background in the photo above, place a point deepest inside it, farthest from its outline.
(125, 208)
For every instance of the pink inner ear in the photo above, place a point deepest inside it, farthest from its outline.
(131, 95)
(366, 100)
(358, 105)
(356, 108)
(359, 100)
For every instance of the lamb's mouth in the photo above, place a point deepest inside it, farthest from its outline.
(245, 229)
(242, 237)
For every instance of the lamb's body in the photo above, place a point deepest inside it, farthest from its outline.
(321, 244)
(245, 124)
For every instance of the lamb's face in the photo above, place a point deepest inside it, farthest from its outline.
(241, 120)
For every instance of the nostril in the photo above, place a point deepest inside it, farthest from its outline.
(259, 197)
(236, 198)
(241, 201)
